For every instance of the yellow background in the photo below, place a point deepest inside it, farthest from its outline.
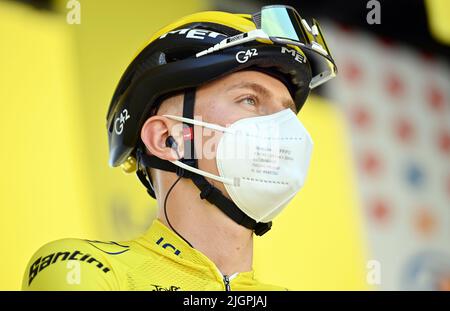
(56, 81)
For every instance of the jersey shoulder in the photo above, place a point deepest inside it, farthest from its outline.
(74, 264)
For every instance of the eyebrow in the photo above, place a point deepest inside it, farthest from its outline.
(264, 92)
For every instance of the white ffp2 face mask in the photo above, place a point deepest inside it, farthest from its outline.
(262, 161)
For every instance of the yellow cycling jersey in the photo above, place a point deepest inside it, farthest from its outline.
(159, 260)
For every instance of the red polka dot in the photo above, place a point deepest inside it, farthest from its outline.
(444, 282)
(394, 85)
(444, 142)
(404, 130)
(386, 42)
(428, 57)
(345, 28)
(380, 211)
(425, 222)
(435, 99)
(361, 117)
(352, 71)
(371, 164)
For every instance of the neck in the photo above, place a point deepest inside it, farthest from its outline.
(226, 243)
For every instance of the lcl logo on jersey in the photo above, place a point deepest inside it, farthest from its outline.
(120, 121)
(244, 56)
(168, 245)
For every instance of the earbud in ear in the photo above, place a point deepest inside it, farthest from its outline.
(171, 142)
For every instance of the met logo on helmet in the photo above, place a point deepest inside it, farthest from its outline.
(298, 57)
(244, 56)
(193, 33)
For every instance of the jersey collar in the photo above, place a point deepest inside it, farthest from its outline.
(167, 243)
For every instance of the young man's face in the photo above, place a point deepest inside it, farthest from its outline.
(243, 94)
(239, 95)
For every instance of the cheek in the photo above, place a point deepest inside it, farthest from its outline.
(216, 112)
(207, 161)
(206, 142)
(220, 112)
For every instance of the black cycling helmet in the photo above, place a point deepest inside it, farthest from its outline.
(200, 48)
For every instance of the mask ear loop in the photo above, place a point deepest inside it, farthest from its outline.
(189, 152)
(208, 191)
(181, 163)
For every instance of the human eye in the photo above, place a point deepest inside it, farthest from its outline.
(248, 100)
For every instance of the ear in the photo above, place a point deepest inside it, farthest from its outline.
(154, 134)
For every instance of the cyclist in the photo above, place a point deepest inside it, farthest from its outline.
(205, 115)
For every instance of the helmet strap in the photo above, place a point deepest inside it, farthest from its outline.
(208, 192)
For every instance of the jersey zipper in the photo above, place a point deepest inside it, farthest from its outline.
(226, 281)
